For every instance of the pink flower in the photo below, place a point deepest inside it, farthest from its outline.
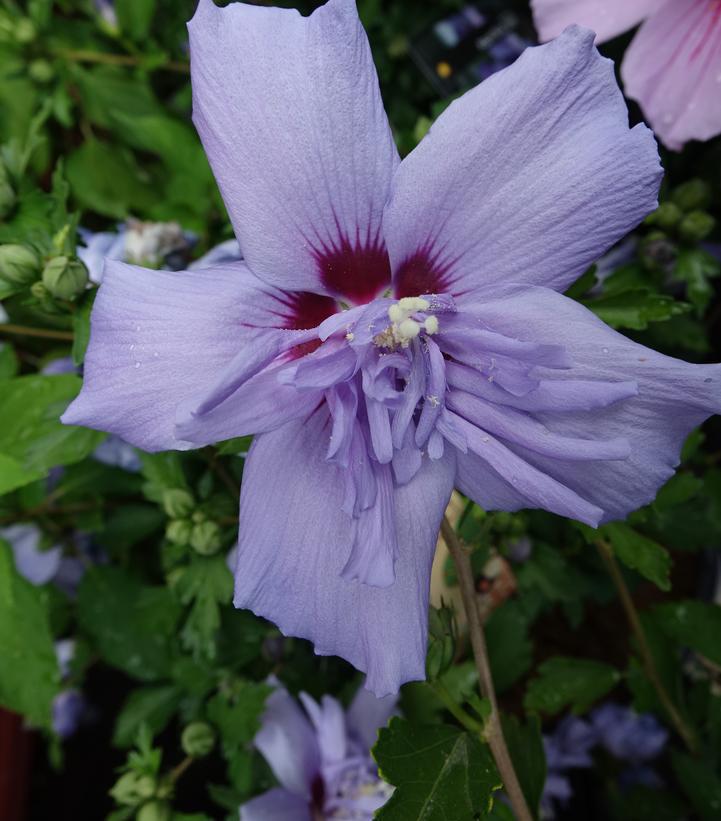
(672, 67)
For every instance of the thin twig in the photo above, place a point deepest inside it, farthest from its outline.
(87, 56)
(177, 772)
(26, 330)
(647, 660)
(493, 730)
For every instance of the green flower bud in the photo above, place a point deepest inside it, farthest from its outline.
(65, 277)
(179, 531)
(18, 264)
(177, 503)
(692, 195)
(25, 31)
(666, 216)
(205, 538)
(696, 226)
(198, 739)
(657, 252)
(199, 517)
(155, 811)
(130, 789)
(41, 71)
(441, 642)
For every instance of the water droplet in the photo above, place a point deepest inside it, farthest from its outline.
(155, 353)
(132, 347)
(486, 438)
(137, 327)
(137, 364)
(708, 379)
(605, 350)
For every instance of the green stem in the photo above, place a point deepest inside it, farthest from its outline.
(644, 649)
(87, 56)
(493, 730)
(456, 710)
(43, 333)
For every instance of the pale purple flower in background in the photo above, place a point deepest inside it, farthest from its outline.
(628, 735)
(106, 12)
(142, 243)
(65, 653)
(321, 757)
(396, 328)
(36, 565)
(567, 748)
(68, 709)
(672, 67)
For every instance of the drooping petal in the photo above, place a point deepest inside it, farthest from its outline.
(158, 338)
(288, 743)
(528, 178)
(276, 805)
(291, 118)
(673, 397)
(367, 714)
(329, 724)
(289, 566)
(608, 18)
(673, 69)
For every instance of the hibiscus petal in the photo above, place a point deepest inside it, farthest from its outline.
(673, 398)
(291, 118)
(158, 337)
(673, 69)
(528, 178)
(289, 566)
(608, 18)
(367, 714)
(276, 805)
(328, 721)
(288, 743)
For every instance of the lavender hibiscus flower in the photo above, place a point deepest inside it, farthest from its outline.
(395, 329)
(673, 65)
(321, 758)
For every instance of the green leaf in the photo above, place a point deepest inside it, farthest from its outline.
(8, 361)
(106, 179)
(565, 681)
(13, 475)
(509, 647)
(29, 677)
(131, 624)
(695, 267)
(639, 553)
(163, 471)
(135, 17)
(31, 433)
(694, 624)
(700, 783)
(635, 309)
(439, 773)
(152, 706)
(525, 745)
(236, 714)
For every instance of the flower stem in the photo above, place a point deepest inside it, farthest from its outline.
(647, 660)
(456, 710)
(87, 56)
(493, 731)
(26, 330)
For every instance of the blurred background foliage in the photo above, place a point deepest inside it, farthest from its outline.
(124, 554)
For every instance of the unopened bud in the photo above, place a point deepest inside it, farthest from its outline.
(666, 216)
(441, 642)
(177, 503)
(41, 71)
(25, 31)
(179, 531)
(155, 811)
(65, 277)
(129, 790)
(205, 538)
(18, 264)
(198, 739)
(696, 226)
(658, 253)
(692, 195)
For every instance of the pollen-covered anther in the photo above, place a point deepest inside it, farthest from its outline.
(431, 325)
(404, 326)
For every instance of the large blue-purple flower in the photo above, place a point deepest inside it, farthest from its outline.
(321, 757)
(396, 328)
